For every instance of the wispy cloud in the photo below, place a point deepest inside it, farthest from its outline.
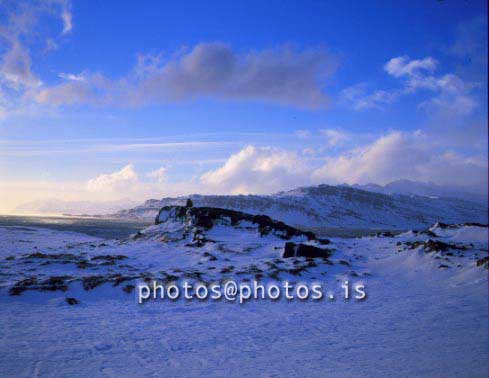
(18, 29)
(159, 174)
(72, 77)
(335, 137)
(182, 146)
(66, 16)
(13, 149)
(451, 95)
(358, 97)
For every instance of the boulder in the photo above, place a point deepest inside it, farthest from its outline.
(304, 250)
(72, 301)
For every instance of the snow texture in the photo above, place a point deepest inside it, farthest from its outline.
(425, 314)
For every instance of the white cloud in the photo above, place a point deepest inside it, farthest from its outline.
(401, 156)
(452, 95)
(128, 183)
(402, 66)
(258, 170)
(72, 77)
(394, 156)
(122, 180)
(378, 162)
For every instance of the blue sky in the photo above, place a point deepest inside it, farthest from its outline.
(110, 100)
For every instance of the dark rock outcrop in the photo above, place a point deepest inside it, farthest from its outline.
(444, 226)
(207, 217)
(434, 246)
(72, 301)
(483, 262)
(304, 250)
(52, 283)
(22, 286)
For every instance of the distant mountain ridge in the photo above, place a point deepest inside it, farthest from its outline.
(418, 188)
(54, 206)
(334, 206)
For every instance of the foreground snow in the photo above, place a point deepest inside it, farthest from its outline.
(426, 314)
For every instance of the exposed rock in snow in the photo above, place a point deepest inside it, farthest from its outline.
(304, 250)
(453, 245)
(208, 217)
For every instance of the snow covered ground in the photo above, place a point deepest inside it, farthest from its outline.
(425, 315)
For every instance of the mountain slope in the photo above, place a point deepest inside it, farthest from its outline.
(334, 206)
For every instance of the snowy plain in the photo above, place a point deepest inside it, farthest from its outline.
(425, 315)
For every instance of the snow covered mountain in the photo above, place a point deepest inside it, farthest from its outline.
(56, 206)
(327, 206)
(425, 189)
